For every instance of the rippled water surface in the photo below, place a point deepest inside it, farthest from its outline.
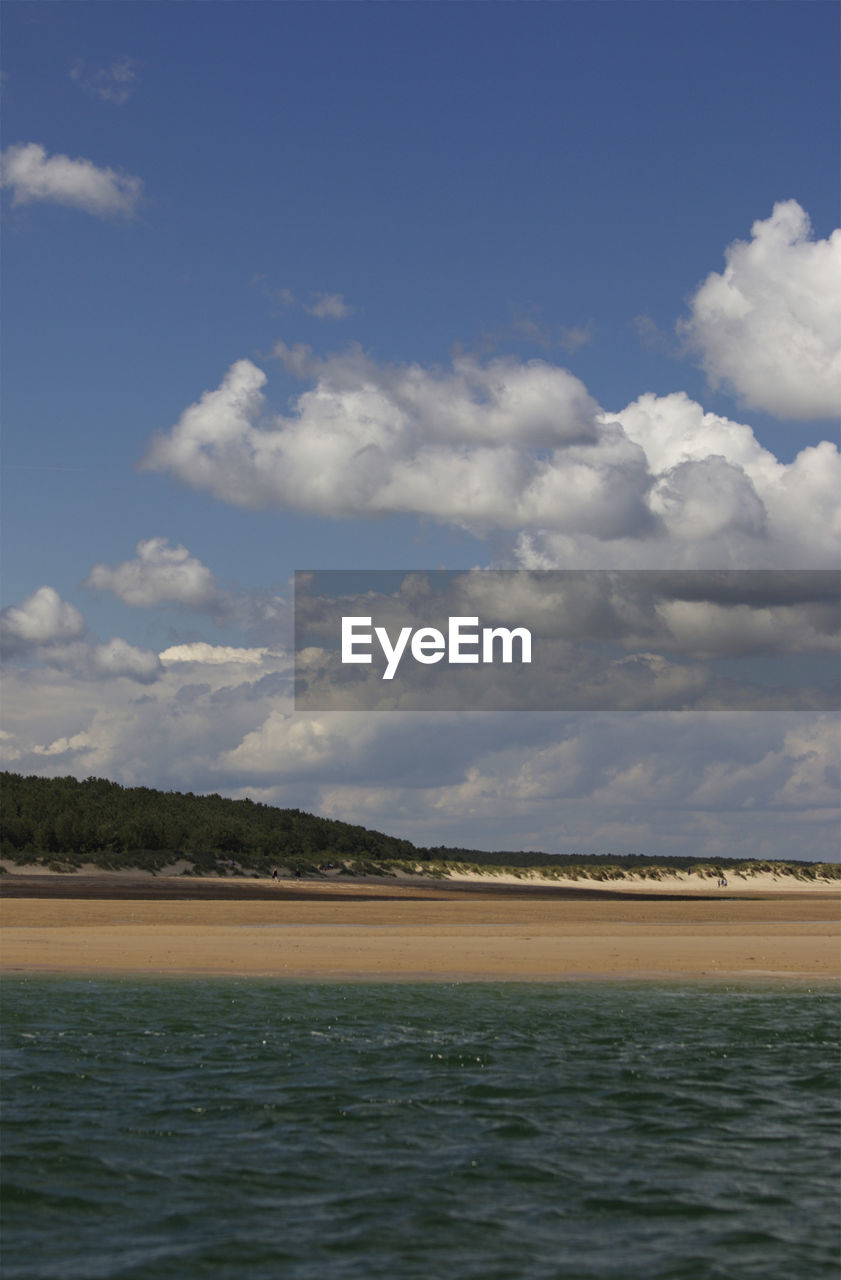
(259, 1130)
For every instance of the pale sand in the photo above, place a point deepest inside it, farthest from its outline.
(685, 882)
(423, 932)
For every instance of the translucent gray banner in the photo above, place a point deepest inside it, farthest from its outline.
(566, 640)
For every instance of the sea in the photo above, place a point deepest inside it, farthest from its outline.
(255, 1130)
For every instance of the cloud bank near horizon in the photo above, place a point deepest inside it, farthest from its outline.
(703, 784)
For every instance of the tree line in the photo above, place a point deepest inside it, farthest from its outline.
(102, 822)
(65, 822)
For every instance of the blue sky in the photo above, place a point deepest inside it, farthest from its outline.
(493, 226)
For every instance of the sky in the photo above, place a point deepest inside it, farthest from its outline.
(412, 286)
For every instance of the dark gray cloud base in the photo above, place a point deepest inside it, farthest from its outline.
(600, 640)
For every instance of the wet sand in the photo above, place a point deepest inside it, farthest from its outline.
(375, 931)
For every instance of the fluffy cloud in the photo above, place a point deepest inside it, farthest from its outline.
(485, 446)
(165, 576)
(717, 497)
(515, 451)
(519, 452)
(769, 326)
(88, 661)
(119, 658)
(52, 631)
(160, 574)
(33, 175)
(42, 619)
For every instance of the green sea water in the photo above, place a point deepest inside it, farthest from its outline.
(254, 1130)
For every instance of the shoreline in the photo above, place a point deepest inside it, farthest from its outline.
(362, 932)
(21, 879)
(664, 978)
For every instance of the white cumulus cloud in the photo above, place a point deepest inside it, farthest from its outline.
(769, 326)
(41, 619)
(159, 574)
(33, 175)
(515, 451)
(119, 658)
(481, 445)
(52, 631)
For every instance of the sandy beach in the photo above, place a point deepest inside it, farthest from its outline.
(99, 924)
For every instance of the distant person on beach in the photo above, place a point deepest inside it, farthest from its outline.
(274, 873)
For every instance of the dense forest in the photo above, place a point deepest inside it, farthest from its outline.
(63, 823)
